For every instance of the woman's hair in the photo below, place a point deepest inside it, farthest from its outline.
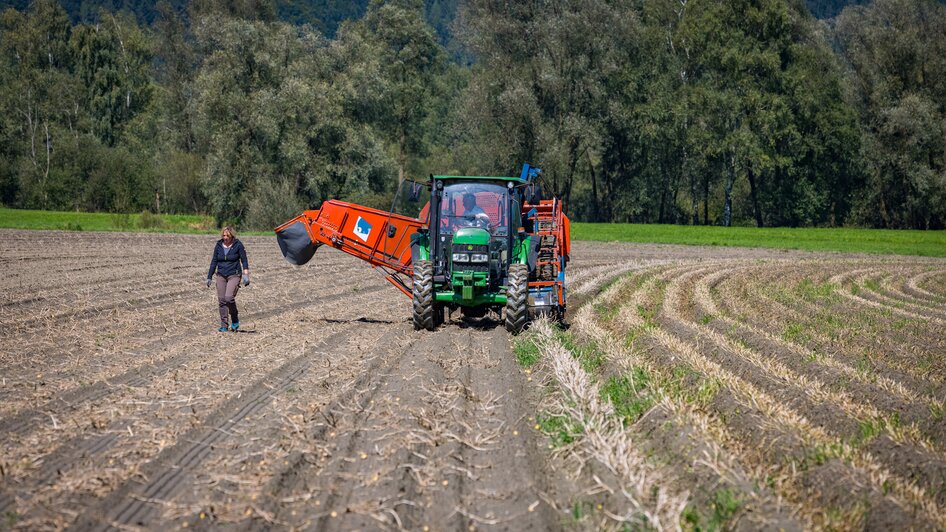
(228, 229)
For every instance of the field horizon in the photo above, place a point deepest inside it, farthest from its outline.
(930, 243)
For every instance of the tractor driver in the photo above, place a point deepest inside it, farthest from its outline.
(474, 214)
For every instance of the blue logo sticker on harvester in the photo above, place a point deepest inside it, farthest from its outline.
(362, 229)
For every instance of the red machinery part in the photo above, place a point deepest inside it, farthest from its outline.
(377, 237)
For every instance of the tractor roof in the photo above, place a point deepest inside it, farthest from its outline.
(477, 177)
(529, 174)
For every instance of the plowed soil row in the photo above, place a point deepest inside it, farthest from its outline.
(820, 381)
(771, 390)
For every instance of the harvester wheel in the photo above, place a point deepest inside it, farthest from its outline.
(517, 298)
(423, 294)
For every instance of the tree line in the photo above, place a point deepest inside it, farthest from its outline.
(671, 111)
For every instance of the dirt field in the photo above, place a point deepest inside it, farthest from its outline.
(695, 387)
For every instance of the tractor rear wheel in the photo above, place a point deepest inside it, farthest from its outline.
(423, 294)
(517, 298)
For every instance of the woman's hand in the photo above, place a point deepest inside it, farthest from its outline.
(246, 278)
(209, 281)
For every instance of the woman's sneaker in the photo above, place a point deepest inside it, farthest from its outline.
(222, 329)
(235, 326)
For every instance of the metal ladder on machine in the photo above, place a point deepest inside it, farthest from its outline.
(548, 261)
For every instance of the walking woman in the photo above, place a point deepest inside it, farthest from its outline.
(229, 253)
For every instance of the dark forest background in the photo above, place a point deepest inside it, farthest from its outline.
(736, 112)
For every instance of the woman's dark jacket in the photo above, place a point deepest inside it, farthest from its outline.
(227, 264)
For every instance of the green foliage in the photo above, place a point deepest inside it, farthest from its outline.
(868, 429)
(629, 394)
(722, 508)
(816, 292)
(795, 333)
(561, 430)
(526, 351)
(10, 518)
(897, 53)
(938, 411)
(712, 113)
(146, 220)
(586, 352)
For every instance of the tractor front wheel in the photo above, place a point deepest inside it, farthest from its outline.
(423, 293)
(517, 298)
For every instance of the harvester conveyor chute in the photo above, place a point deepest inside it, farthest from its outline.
(377, 237)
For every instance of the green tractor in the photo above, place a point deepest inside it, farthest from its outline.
(478, 246)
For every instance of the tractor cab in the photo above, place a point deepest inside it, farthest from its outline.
(472, 230)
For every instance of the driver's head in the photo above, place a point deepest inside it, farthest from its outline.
(469, 201)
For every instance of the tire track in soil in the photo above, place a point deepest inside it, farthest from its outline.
(433, 442)
(917, 458)
(687, 439)
(115, 283)
(897, 288)
(878, 300)
(83, 450)
(54, 354)
(831, 420)
(133, 503)
(512, 482)
(21, 423)
(748, 303)
(769, 437)
(261, 420)
(343, 474)
(300, 466)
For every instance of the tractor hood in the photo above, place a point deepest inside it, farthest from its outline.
(471, 235)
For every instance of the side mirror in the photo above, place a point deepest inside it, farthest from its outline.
(413, 195)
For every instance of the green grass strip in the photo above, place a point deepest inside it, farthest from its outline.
(101, 221)
(875, 241)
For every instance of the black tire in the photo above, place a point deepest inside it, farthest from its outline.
(517, 298)
(423, 294)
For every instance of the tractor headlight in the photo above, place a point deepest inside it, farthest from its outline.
(461, 257)
(479, 257)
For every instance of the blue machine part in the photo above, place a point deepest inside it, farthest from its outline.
(529, 173)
